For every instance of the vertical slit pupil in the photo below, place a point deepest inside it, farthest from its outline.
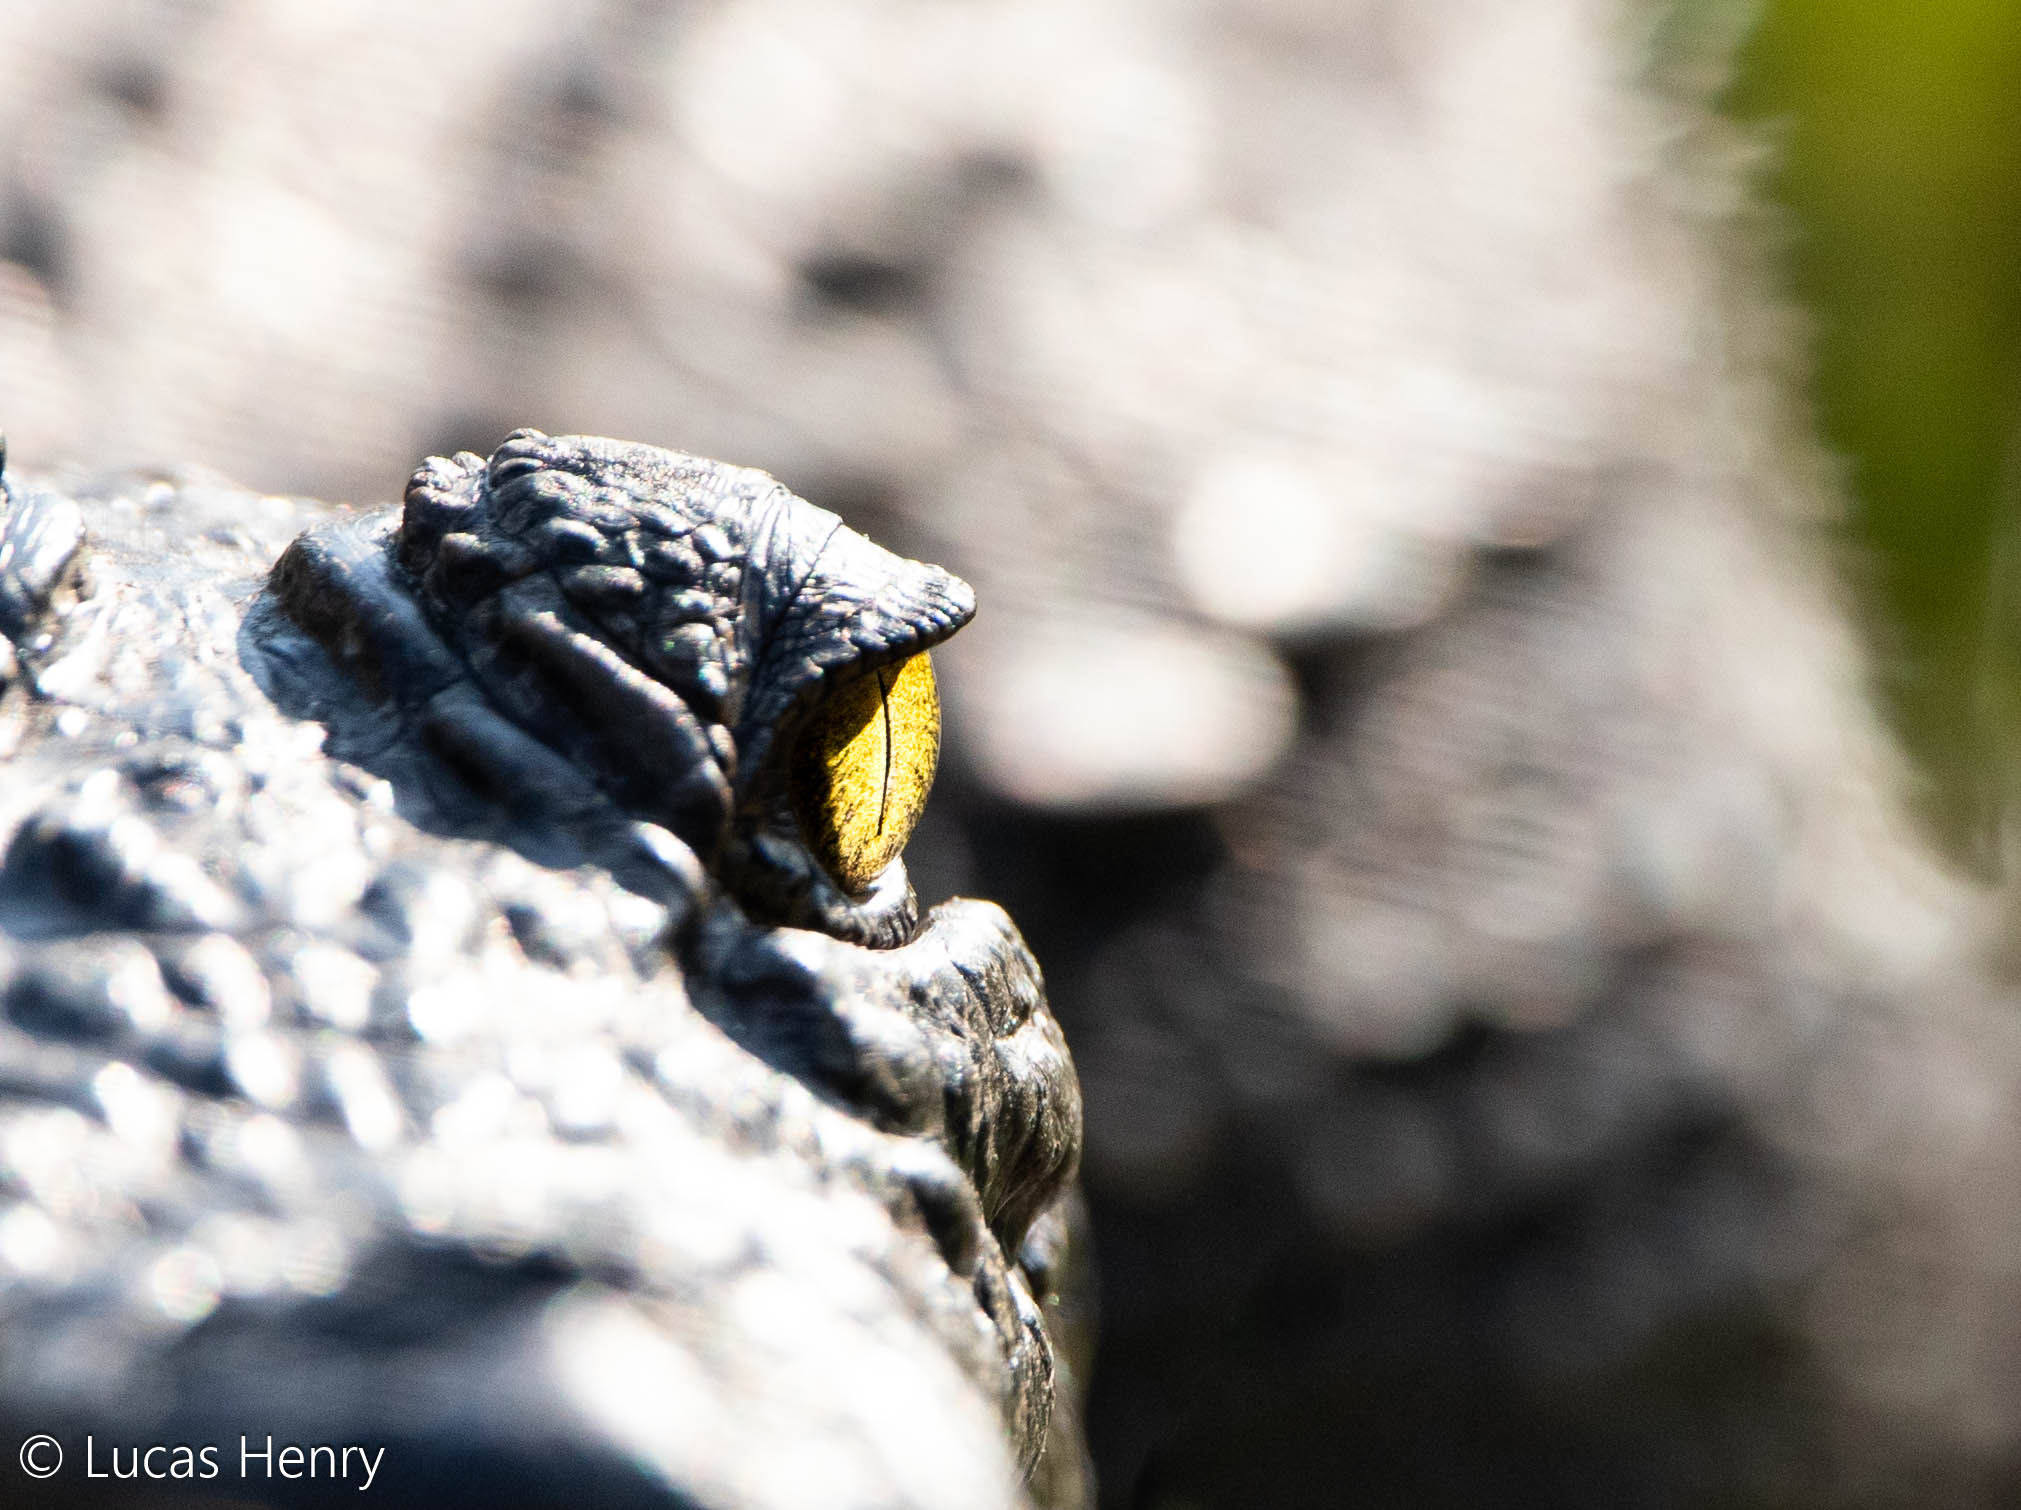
(884, 712)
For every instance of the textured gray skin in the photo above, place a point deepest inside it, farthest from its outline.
(1566, 1080)
(425, 1083)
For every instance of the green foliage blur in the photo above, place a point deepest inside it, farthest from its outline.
(1898, 124)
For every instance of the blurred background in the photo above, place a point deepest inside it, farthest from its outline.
(1447, 647)
(1893, 132)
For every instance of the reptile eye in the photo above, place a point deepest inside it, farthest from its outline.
(861, 770)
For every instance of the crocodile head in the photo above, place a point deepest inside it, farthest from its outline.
(459, 990)
(581, 613)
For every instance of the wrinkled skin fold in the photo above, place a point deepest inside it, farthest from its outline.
(423, 1026)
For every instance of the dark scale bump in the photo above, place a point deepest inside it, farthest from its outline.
(608, 510)
(670, 561)
(709, 686)
(441, 485)
(429, 516)
(539, 938)
(438, 503)
(688, 645)
(525, 441)
(603, 586)
(688, 607)
(692, 657)
(86, 991)
(418, 905)
(563, 542)
(508, 468)
(724, 744)
(63, 867)
(190, 1053)
(517, 505)
(466, 567)
(651, 520)
(713, 543)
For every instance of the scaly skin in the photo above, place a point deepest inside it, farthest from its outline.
(404, 1038)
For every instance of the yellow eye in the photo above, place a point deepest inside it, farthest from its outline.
(862, 768)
